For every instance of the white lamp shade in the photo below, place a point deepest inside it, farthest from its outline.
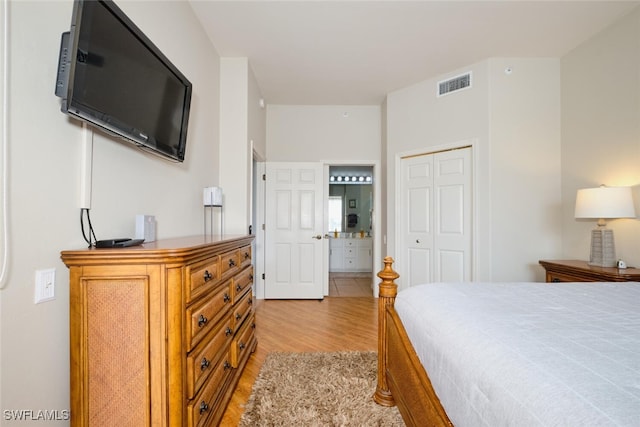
(605, 202)
(212, 196)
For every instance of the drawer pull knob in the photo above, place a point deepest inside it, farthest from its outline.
(238, 287)
(238, 316)
(253, 326)
(247, 255)
(232, 262)
(204, 364)
(227, 365)
(250, 301)
(226, 297)
(555, 280)
(228, 331)
(207, 276)
(202, 321)
(251, 277)
(203, 407)
(242, 345)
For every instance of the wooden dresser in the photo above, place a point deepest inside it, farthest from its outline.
(581, 271)
(160, 333)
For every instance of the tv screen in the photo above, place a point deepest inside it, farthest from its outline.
(112, 76)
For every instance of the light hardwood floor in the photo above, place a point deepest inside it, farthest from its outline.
(334, 324)
(350, 285)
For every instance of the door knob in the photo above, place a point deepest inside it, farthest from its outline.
(318, 236)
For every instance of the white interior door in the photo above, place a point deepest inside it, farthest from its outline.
(417, 220)
(452, 219)
(436, 217)
(294, 242)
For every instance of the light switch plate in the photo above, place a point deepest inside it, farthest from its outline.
(45, 285)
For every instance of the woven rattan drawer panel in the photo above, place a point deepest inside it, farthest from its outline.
(104, 372)
(152, 331)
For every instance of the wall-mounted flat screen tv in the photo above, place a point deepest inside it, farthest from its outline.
(113, 77)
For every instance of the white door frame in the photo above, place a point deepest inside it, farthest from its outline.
(399, 264)
(258, 227)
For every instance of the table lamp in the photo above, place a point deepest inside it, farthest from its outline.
(604, 203)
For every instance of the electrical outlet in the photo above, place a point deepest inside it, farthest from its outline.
(45, 285)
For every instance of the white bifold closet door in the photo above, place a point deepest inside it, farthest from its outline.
(436, 217)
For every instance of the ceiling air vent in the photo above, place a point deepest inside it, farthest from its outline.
(455, 84)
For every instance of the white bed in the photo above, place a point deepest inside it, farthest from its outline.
(529, 354)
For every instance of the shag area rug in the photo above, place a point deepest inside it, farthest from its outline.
(317, 389)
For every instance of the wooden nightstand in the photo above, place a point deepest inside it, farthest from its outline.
(581, 271)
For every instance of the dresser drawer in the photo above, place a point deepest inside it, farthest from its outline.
(202, 360)
(241, 283)
(563, 277)
(245, 255)
(202, 316)
(199, 408)
(200, 277)
(229, 262)
(243, 341)
(241, 310)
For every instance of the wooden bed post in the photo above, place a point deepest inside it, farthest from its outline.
(386, 297)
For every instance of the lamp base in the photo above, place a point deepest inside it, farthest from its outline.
(603, 249)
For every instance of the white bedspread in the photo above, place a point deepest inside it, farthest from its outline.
(529, 354)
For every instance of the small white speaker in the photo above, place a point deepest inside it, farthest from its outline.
(212, 196)
(146, 227)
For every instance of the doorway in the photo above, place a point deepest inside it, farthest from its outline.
(265, 257)
(350, 230)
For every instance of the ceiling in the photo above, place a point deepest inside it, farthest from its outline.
(355, 52)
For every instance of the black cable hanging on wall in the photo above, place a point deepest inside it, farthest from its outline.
(87, 234)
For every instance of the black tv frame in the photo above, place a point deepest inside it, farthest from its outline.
(115, 125)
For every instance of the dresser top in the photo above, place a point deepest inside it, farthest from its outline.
(164, 250)
(572, 266)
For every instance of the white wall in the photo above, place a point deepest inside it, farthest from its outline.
(601, 131)
(44, 149)
(257, 112)
(513, 123)
(242, 129)
(3, 223)
(525, 166)
(234, 142)
(308, 133)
